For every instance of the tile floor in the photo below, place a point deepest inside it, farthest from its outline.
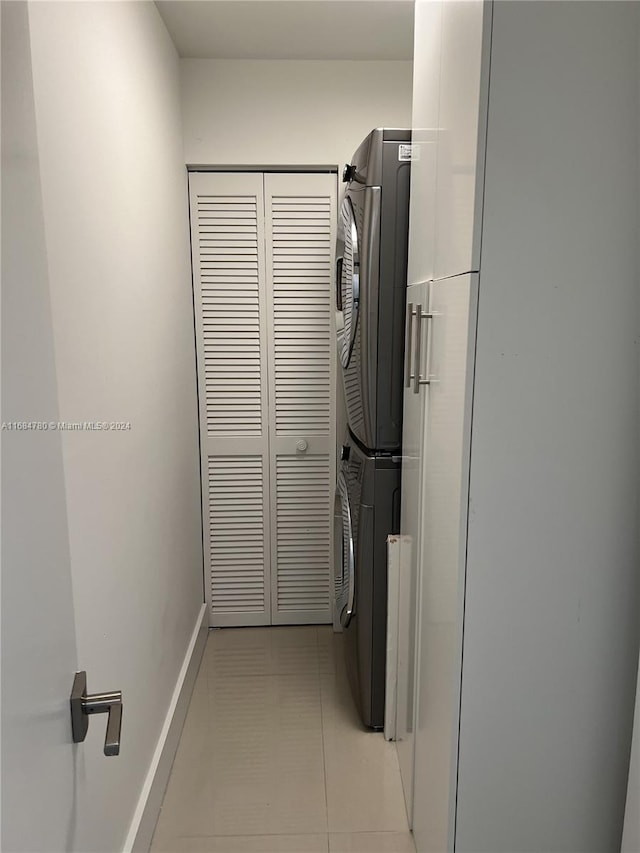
(273, 758)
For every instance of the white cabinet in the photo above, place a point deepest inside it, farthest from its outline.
(434, 490)
(521, 489)
(462, 113)
(450, 90)
(443, 502)
(448, 127)
(424, 135)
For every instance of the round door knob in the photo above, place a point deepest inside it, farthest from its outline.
(301, 445)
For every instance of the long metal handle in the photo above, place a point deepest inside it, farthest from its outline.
(411, 313)
(416, 366)
(339, 264)
(84, 705)
(418, 380)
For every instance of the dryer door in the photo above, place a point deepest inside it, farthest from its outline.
(344, 562)
(347, 280)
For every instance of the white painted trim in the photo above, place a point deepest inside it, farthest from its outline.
(393, 604)
(146, 814)
(286, 170)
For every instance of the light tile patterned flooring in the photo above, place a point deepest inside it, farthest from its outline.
(273, 758)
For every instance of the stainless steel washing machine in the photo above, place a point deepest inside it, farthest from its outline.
(367, 510)
(371, 258)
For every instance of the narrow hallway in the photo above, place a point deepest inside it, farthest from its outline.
(273, 758)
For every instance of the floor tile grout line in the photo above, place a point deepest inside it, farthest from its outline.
(262, 835)
(286, 834)
(326, 835)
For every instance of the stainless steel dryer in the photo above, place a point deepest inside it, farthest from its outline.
(371, 276)
(367, 510)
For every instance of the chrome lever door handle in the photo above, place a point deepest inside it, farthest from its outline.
(83, 705)
(114, 726)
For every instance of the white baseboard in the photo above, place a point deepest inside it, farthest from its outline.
(148, 808)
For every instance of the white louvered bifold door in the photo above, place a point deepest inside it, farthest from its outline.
(227, 236)
(300, 238)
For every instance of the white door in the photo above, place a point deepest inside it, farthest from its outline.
(462, 116)
(300, 237)
(262, 248)
(228, 250)
(447, 361)
(410, 529)
(449, 116)
(424, 138)
(39, 783)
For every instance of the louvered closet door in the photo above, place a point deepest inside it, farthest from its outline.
(227, 234)
(300, 236)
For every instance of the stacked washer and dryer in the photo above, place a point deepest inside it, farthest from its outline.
(371, 258)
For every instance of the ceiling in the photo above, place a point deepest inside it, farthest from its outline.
(290, 29)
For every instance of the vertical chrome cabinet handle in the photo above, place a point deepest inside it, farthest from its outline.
(83, 705)
(411, 313)
(418, 380)
(416, 366)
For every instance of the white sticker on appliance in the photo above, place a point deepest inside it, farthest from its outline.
(408, 152)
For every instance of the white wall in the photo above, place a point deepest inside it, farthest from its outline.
(551, 625)
(291, 112)
(114, 188)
